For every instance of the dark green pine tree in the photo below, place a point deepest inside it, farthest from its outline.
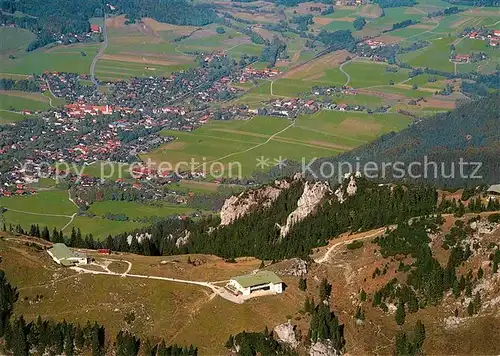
(400, 313)
(45, 234)
(69, 340)
(480, 273)
(97, 340)
(401, 344)
(230, 342)
(162, 349)
(134, 246)
(325, 290)
(79, 338)
(302, 284)
(148, 349)
(419, 334)
(470, 308)
(127, 344)
(19, 342)
(57, 339)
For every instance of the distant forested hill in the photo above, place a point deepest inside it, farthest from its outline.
(470, 132)
(395, 3)
(51, 18)
(177, 12)
(475, 2)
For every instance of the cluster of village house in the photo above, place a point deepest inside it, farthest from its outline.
(68, 86)
(148, 181)
(250, 73)
(492, 36)
(70, 38)
(351, 2)
(292, 108)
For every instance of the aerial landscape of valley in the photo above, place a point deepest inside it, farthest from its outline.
(247, 177)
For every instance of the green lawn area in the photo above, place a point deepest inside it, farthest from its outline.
(137, 210)
(422, 80)
(7, 117)
(47, 202)
(120, 69)
(100, 169)
(410, 93)
(26, 220)
(366, 74)
(101, 228)
(360, 99)
(434, 56)
(18, 101)
(197, 187)
(339, 25)
(53, 209)
(292, 87)
(14, 39)
(392, 16)
(326, 133)
(469, 45)
(57, 58)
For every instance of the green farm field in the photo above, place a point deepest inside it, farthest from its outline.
(99, 169)
(323, 134)
(18, 101)
(7, 116)
(53, 209)
(434, 56)
(14, 40)
(135, 210)
(57, 58)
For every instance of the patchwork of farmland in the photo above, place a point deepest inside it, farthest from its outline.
(242, 143)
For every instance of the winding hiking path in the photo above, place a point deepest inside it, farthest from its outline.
(39, 214)
(221, 291)
(326, 256)
(51, 93)
(99, 54)
(248, 149)
(343, 71)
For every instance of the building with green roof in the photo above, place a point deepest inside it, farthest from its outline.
(62, 255)
(260, 280)
(494, 190)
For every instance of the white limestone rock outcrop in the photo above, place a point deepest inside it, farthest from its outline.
(236, 207)
(286, 334)
(184, 239)
(139, 237)
(350, 190)
(323, 348)
(311, 197)
(294, 267)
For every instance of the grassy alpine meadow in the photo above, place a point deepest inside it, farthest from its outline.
(73, 58)
(160, 308)
(18, 100)
(99, 169)
(52, 208)
(436, 55)
(100, 228)
(46, 202)
(326, 133)
(14, 40)
(7, 117)
(366, 74)
(134, 210)
(47, 208)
